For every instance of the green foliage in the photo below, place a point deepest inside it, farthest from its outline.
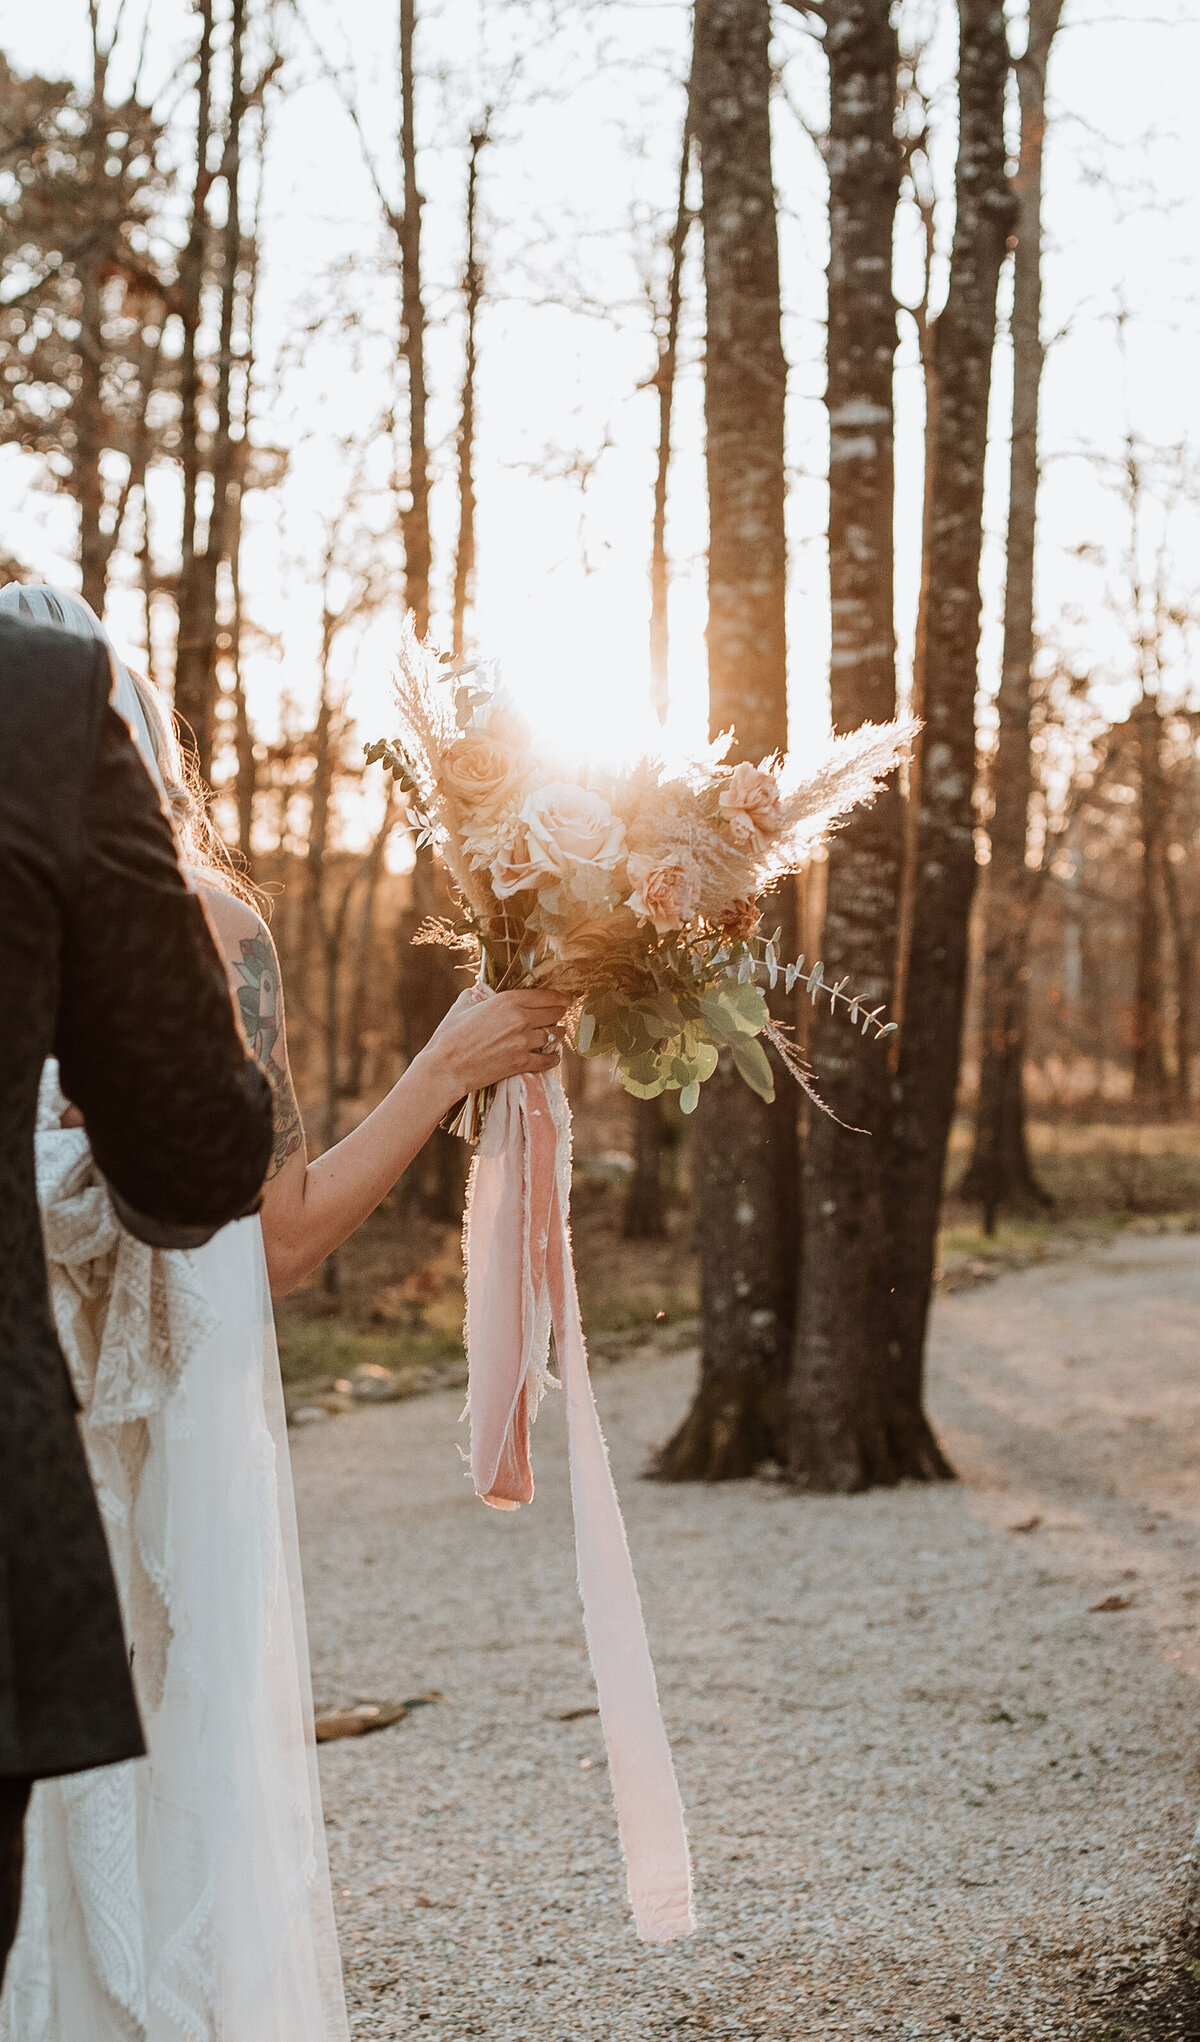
(670, 1041)
(709, 997)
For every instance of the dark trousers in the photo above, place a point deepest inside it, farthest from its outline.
(14, 1799)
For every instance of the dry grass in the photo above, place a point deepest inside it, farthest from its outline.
(399, 1302)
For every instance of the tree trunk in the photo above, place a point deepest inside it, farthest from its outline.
(1149, 1060)
(645, 1217)
(464, 554)
(852, 1418)
(365, 952)
(664, 384)
(1000, 1174)
(944, 874)
(247, 762)
(427, 983)
(414, 519)
(88, 407)
(193, 695)
(746, 1209)
(429, 986)
(1184, 958)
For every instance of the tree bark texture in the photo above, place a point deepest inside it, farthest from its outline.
(944, 874)
(747, 1151)
(1000, 1174)
(852, 1419)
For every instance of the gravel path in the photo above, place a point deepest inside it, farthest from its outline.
(931, 1789)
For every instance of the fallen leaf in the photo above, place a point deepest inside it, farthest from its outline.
(1027, 1524)
(1111, 1602)
(367, 1716)
(573, 1715)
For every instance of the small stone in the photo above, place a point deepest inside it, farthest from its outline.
(306, 1414)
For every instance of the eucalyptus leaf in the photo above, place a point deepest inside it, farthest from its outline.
(704, 1062)
(689, 1098)
(746, 1005)
(639, 1091)
(585, 1031)
(751, 1060)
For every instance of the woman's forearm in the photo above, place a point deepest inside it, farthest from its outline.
(336, 1193)
(309, 1209)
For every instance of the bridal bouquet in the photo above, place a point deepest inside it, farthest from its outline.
(631, 892)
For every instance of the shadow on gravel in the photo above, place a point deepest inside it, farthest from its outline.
(1140, 1999)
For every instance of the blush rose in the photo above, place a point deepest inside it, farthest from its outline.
(511, 869)
(662, 894)
(751, 807)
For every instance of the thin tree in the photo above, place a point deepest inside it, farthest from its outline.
(193, 682)
(414, 517)
(1000, 1173)
(747, 1151)
(428, 986)
(944, 873)
(852, 1421)
(644, 1216)
(1150, 1084)
(246, 784)
(472, 290)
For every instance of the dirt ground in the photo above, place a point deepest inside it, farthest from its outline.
(938, 1746)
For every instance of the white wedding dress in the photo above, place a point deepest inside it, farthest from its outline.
(184, 1897)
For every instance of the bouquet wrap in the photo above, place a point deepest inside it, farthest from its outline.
(520, 1286)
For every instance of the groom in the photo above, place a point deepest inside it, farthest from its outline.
(106, 963)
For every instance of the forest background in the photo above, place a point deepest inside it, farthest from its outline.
(310, 314)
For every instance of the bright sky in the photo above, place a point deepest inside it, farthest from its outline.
(577, 191)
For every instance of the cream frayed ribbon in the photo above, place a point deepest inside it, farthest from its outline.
(520, 1286)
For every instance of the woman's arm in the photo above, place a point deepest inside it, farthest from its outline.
(309, 1209)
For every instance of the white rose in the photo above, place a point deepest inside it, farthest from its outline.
(566, 826)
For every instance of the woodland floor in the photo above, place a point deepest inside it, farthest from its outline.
(940, 1748)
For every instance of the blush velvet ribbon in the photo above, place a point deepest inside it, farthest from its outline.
(520, 1286)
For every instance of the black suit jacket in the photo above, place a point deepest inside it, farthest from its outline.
(106, 961)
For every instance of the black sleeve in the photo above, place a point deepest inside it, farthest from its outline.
(177, 1112)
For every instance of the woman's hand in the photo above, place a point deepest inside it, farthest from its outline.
(482, 1041)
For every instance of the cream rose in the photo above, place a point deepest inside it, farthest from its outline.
(567, 826)
(478, 772)
(662, 894)
(512, 871)
(750, 805)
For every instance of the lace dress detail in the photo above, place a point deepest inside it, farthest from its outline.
(183, 1898)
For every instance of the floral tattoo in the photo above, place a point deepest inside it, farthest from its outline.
(260, 1001)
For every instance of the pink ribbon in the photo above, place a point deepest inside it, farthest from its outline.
(520, 1285)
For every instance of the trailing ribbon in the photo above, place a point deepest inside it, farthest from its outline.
(520, 1286)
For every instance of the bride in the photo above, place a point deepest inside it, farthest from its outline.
(185, 1897)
